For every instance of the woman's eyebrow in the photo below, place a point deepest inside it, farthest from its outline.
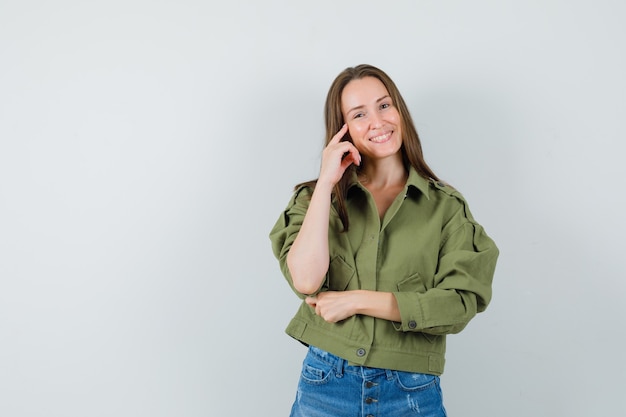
(363, 105)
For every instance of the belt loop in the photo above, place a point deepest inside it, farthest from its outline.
(389, 373)
(339, 366)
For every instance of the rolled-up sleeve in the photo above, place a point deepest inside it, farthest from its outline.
(286, 229)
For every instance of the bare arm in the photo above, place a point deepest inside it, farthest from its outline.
(334, 306)
(309, 256)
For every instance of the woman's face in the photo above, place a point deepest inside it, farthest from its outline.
(372, 118)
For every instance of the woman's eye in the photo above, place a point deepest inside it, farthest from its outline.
(358, 115)
(385, 105)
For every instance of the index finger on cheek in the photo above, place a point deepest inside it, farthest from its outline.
(340, 134)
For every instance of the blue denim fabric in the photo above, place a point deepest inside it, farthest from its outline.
(329, 387)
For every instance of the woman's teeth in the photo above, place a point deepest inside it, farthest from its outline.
(381, 138)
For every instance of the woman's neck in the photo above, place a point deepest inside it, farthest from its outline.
(379, 174)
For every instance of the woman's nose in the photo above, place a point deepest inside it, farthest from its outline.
(376, 121)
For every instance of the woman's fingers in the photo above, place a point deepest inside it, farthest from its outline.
(332, 306)
(349, 152)
(337, 157)
(339, 135)
(353, 156)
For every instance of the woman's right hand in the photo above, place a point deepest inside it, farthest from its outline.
(337, 157)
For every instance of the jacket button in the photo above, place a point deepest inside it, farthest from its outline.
(412, 324)
(360, 352)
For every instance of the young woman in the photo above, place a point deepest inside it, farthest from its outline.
(387, 258)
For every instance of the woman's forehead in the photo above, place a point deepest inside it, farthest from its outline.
(362, 92)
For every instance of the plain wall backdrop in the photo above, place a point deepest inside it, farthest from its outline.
(147, 147)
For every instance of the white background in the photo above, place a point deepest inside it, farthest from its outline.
(147, 147)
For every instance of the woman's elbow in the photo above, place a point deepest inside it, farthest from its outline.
(306, 279)
(306, 274)
(305, 288)
(306, 282)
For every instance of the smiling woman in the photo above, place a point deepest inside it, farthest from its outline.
(387, 259)
(374, 125)
(373, 120)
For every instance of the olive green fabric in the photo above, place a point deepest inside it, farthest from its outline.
(428, 251)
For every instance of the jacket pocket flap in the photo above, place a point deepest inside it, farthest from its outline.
(413, 283)
(339, 275)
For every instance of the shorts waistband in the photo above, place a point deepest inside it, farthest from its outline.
(343, 366)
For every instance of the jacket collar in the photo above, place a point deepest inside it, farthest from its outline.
(414, 181)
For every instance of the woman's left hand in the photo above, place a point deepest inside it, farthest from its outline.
(334, 306)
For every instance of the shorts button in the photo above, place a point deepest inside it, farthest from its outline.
(360, 352)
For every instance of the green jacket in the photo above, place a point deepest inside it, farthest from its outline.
(428, 251)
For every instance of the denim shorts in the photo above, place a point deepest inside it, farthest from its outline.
(329, 387)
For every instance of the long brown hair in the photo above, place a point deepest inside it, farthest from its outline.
(412, 154)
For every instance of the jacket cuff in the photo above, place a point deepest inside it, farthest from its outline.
(411, 313)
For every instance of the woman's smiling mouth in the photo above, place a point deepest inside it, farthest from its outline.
(381, 138)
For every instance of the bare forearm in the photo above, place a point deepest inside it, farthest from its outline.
(334, 306)
(308, 256)
(382, 305)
